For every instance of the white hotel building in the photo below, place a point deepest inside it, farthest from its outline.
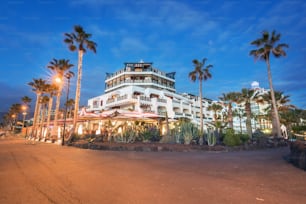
(143, 88)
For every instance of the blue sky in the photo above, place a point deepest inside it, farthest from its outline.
(168, 33)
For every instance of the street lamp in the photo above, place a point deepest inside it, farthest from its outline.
(14, 121)
(24, 113)
(68, 76)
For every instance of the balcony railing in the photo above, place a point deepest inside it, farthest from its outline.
(130, 81)
(161, 100)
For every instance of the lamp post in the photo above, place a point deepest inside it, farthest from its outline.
(24, 113)
(68, 76)
(14, 121)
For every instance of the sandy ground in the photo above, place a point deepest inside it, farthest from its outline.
(49, 173)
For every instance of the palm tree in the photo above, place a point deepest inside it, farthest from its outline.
(201, 73)
(52, 90)
(215, 108)
(218, 124)
(38, 86)
(266, 45)
(14, 111)
(79, 41)
(69, 103)
(229, 99)
(239, 112)
(281, 106)
(26, 101)
(44, 101)
(245, 97)
(60, 67)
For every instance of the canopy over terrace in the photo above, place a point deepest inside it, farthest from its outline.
(98, 122)
(117, 114)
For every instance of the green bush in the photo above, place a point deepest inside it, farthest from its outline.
(230, 138)
(150, 134)
(244, 137)
(299, 129)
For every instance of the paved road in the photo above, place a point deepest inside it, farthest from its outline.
(48, 173)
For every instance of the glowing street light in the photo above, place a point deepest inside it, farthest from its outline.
(14, 121)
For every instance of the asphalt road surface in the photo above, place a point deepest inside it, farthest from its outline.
(49, 173)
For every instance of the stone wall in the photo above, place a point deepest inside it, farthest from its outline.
(298, 154)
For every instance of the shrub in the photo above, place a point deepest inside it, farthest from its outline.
(244, 137)
(299, 129)
(258, 133)
(150, 134)
(230, 138)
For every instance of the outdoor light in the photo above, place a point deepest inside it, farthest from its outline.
(14, 121)
(58, 80)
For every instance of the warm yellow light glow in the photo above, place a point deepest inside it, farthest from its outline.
(58, 80)
(23, 107)
(80, 130)
(120, 130)
(163, 130)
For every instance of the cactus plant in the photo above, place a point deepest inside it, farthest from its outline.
(188, 132)
(211, 138)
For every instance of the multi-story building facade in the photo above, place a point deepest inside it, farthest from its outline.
(143, 88)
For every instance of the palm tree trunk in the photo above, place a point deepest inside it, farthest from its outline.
(277, 123)
(230, 116)
(248, 121)
(43, 116)
(201, 112)
(240, 120)
(38, 117)
(49, 113)
(78, 90)
(35, 114)
(57, 105)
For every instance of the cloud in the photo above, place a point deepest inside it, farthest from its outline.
(130, 45)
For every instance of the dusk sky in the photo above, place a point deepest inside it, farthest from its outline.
(169, 33)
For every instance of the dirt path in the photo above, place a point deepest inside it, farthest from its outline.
(48, 173)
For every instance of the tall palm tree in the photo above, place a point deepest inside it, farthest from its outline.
(79, 41)
(230, 98)
(201, 73)
(44, 101)
(265, 46)
(245, 97)
(38, 86)
(60, 67)
(52, 90)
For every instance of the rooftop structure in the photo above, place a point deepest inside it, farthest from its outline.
(140, 74)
